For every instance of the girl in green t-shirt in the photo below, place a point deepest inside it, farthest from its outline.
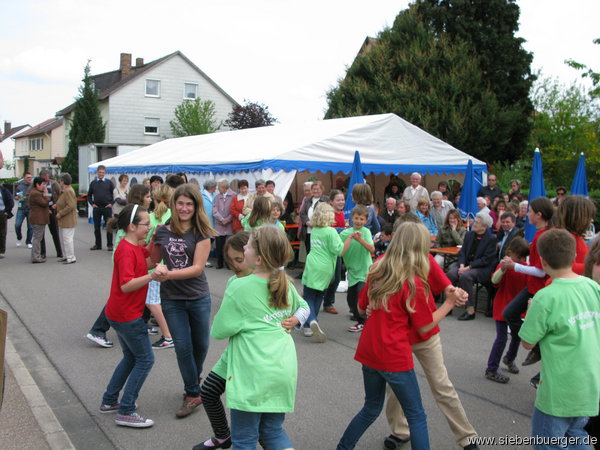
(325, 248)
(260, 215)
(262, 366)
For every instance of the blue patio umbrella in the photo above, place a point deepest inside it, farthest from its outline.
(467, 205)
(356, 177)
(580, 186)
(537, 188)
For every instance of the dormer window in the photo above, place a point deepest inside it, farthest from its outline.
(152, 88)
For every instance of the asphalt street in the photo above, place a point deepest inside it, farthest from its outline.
(58, 303)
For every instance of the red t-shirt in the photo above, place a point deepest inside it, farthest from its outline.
(510, 285)
(384, 343)
(129, 263)
(339, 220)
(581, 250)
(534, 284)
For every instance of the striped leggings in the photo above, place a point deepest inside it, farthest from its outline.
(211, 391)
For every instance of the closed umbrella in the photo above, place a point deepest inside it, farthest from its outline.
(537, 188)
(356, 177)
(467, 205)
(580, 186)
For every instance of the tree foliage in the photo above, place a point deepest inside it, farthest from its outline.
(566, 123)
(431, 82)
(87, 125)
(588, 73)
(434, 68)
(193, 117)
(251, 115)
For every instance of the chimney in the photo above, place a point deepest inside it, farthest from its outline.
(125, 66)
(7, 127)
(139, 62)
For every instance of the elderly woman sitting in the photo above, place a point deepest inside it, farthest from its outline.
(477, 259)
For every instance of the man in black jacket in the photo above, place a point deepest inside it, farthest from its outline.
(477, 259)
(100, 197)
(508, 231)
(6, 205)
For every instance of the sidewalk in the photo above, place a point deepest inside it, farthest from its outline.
(26, 420)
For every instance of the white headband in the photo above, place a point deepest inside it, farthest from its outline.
(133, 211)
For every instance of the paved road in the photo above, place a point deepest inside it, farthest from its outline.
(57, 304)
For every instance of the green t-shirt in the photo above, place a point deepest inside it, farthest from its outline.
(259, 223)
(262, 368)
(357, 258)
(325, 247)
(565, 319)
(220, 368)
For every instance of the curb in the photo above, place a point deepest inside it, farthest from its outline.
(55, 435)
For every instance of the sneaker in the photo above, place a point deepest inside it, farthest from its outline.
(163, 343)
(356, 328)
(510, 365)
(317, 332)
(101, 341)
(133, 420)
(208, 264)
(152, 330)
(109, 408)
(188, 406)
(393, 443)
(307, 332)
(498, 377)
(95, 247)
(70, 261)
(61, 259)
(29, 246)
(19, 243)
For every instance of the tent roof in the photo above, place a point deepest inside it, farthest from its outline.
(386, 142)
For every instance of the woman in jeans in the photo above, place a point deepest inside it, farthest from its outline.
(184, 244)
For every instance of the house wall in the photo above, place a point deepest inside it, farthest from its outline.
(57, 142)
(128, 106)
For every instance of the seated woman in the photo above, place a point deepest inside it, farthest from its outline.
(452, 234)
(422, 213)
(477, 259)
(496, 212)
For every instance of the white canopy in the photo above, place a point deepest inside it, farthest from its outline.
(386, 143)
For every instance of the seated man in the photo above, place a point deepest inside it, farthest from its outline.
(477, 259)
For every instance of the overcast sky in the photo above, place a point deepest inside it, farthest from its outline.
(285, 54)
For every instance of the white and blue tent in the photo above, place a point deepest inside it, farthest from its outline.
(387, 144)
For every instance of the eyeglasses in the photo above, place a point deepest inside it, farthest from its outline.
(144, 224)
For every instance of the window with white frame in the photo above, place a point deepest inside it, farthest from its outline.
(36, 144)
(152, 88)
(151, 125)
(190, 91)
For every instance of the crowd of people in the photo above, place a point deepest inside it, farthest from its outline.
(165, 231)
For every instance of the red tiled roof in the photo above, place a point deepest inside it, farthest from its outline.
(12, 132)
(40, 128)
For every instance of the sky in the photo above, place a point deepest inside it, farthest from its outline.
(284, 54)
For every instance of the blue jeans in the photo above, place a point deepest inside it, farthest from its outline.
(23, 214)
(135, 366)
(314, 299)
(247, 427)
(189, 323)
(406, 388)
(569, 431)
(101, 325)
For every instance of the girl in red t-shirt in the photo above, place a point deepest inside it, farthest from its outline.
(398, 295)
(124, 310)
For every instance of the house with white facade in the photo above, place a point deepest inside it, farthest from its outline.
(40, 147)
(137, 102)
(7, 148)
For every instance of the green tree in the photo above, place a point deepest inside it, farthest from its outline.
(489, 26)
(194, 117)
(251, 115)
(588, 73)
(433, 82)
(87, 125)
(566, 123)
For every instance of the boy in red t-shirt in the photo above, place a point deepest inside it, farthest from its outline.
(509, 283)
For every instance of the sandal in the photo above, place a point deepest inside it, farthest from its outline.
(510, 365)
(497, 377)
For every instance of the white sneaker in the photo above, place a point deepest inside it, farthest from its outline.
(342, 287)
(19, 243)
(29, 246)
(308, 332)
(101, 341)
(317, 332)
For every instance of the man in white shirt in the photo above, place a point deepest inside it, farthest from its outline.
(415, 191)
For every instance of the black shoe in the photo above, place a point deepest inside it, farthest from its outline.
(471, 447)
(466, 316)
(219, 266)
(95, 247)
(392, 442)
(224, 444)
(532, 357)
(109, 248)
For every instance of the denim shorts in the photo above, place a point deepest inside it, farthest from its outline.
(153, 296)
